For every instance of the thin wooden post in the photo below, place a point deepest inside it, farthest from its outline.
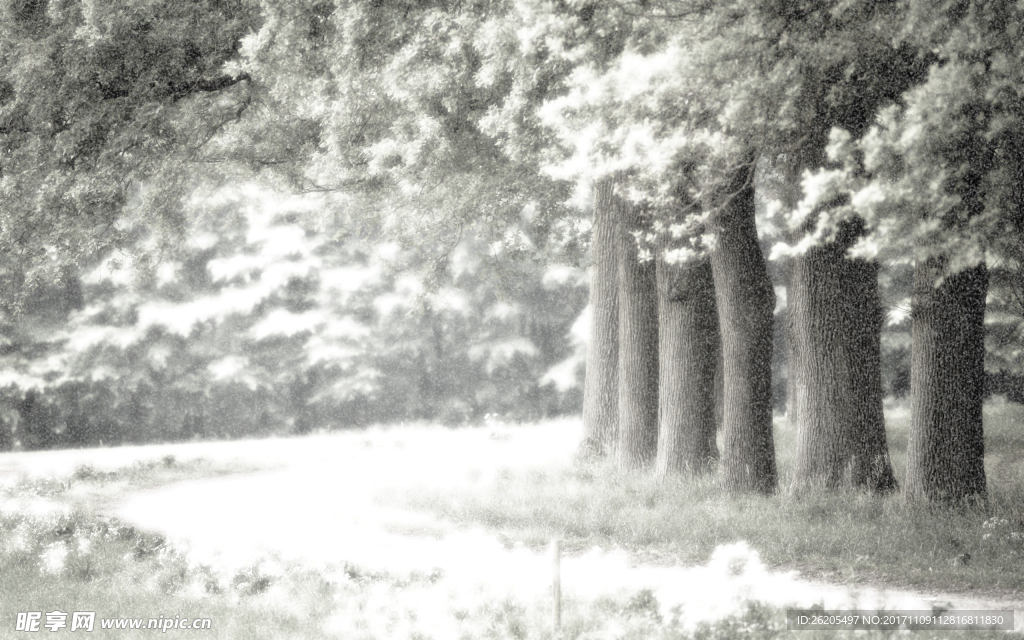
(556, 584)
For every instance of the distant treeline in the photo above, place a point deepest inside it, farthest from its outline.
(264, 322)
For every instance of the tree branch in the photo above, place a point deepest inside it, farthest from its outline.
(207, 85)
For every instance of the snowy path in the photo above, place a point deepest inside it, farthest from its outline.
(314, 503)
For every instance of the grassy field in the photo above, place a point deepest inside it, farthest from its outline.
(73, 560)
(76, 563)
(847, 537)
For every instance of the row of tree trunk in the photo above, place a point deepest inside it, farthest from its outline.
(662, 328)
(659, 331)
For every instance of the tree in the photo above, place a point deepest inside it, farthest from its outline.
(421, 113)
(831, 65)
(745, 300)
(938, 175)
(102, 109)
(435, 117)
(264, 321)
(601, 389)
(836, 322)
(688, 352)
(1004, 337)
(651, 118)
(946, 449)
(638, 347)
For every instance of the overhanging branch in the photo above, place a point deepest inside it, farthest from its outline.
(207, 85)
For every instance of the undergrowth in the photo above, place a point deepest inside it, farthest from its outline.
(78, 563)
(847, 536)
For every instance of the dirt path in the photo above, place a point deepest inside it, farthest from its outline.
(315, 504)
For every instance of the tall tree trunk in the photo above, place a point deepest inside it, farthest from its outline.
(638, 349)
(835, 320)
(7, 421)
(791, 389)
(820, 371)
(871, 467)
(789, 175)
(688, 359)
(946, 450)
(719, 382)
(746, 301)
(601, 386)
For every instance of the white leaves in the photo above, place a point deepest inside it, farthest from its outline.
(284, 323)
(558, 275)
(866, 199)
(228, 367)
(839, 144)
(182, 318)
(565, 374)
(501, 353)
(81, 339)
(252, 45)
(680, 255)
(231, 267)
(819, 188)
(451, 300)
(630, 119)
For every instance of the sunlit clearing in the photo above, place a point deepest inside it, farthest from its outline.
(318, 503)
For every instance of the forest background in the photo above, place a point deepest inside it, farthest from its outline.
(227, 218)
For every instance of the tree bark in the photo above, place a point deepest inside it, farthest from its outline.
(601, 385)
(946, 449)
(791, 409)
(835, 320)
(719, 381)
(638, 349)
(7, 418)
(688, 359)
(746, 301)
(788, 173)
(870, 467)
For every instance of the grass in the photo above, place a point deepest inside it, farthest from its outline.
(73, 560)
(88, 488)
(845, 537)
(70, 560)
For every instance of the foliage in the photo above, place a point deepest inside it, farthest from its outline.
(445, 128)
(936, 174)
(1004, 320)
(102, 110)
(270, 318)
(393, 100)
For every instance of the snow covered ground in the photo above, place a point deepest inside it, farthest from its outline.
(314, 503)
